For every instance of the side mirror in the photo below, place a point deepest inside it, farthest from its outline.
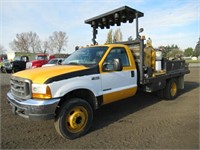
(59, 62)
(116, 65)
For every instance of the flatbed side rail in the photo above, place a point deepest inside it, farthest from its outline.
(159, 82)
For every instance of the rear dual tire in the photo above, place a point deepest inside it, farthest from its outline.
(171, 89)
(170, 92)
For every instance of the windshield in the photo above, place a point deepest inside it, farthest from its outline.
(17, 58)
(53, 61)
(86, 56)
(5, 61)
(40, 57)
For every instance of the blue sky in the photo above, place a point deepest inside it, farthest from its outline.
(165, 22)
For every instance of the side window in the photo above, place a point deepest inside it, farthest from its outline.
(118, 53)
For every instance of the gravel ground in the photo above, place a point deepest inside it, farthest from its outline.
(139, 122)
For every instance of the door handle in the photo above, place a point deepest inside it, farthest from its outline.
(132, 74)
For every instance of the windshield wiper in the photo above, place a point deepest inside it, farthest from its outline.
(73, 63)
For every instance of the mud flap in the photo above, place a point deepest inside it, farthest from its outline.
(14, 109)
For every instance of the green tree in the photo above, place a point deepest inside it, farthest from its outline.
(171, 50)
(109, 37)
(197, 49)
(116, 37)
(175, 52)
(188, 52)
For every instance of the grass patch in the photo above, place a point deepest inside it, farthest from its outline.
(192, 61)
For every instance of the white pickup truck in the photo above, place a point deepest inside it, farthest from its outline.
(91, 77)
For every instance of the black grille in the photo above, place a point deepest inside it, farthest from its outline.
(7, 64)
(20, 88)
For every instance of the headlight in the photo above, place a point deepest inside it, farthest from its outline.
(41, 91)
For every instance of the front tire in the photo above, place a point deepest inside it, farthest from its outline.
(15, 69)
(74, 118)
(3, 70)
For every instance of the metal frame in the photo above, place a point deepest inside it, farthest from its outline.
(117, 16)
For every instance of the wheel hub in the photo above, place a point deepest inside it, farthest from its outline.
(77, 119)
(173, 89)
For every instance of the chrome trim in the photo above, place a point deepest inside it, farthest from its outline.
(21, 88)
(33, 102)
(33, 109)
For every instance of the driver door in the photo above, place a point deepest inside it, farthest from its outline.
(117, 85)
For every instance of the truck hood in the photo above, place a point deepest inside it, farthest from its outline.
(36, 61)
(41, 75)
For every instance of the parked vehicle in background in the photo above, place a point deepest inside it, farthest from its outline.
(2, 57)
(19, 63)
(41, 59)
(54, 62)
(5, 64)
(1, 64)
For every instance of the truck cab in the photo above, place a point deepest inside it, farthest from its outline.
(113, 63)
(41, 59)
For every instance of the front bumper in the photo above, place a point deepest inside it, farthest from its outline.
(8, 68)
(33, 109)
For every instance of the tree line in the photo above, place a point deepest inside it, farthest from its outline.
(31, 43)
(57, 42)
(173, 50)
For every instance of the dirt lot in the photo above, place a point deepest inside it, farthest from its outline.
(143, 121)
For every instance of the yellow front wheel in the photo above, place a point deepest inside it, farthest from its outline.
(74, 118)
